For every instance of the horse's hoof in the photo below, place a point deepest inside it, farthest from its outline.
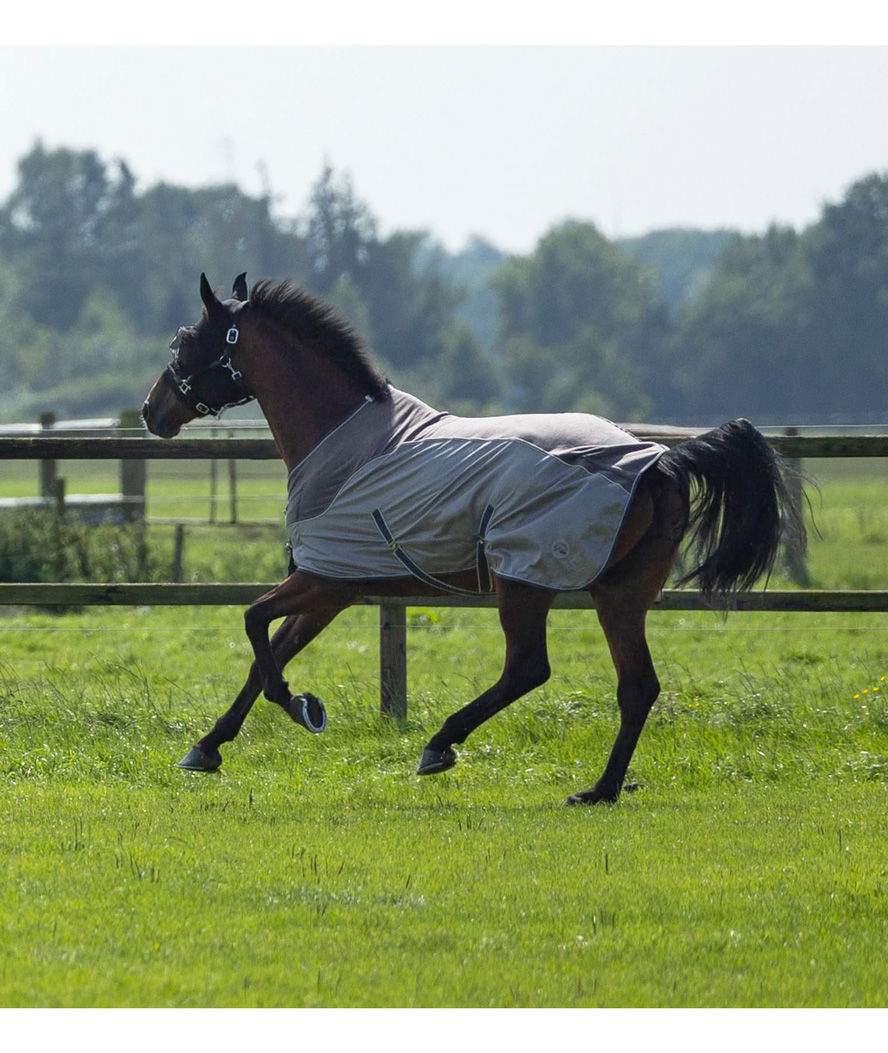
(309, 712)
(197, 759)
(434, 761)
(592, 797)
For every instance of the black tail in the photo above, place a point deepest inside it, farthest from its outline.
(739, 505)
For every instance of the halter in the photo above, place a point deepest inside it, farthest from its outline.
(185, 385)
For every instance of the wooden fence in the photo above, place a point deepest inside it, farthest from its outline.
(130, 502)
(127, 505)
(392, 611)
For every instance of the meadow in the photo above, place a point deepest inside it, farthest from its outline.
(748, 869)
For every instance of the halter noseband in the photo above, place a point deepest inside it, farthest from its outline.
(184, 385)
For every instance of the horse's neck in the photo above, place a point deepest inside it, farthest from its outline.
(301, 406)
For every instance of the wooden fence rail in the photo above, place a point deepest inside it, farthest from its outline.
(39, 447)
(240, 594)
(392, 611)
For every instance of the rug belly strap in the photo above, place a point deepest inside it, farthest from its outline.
(481, 567)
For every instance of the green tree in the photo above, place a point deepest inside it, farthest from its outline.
(579, 325)
(471, 271)
(680, 260)
(741, 347)
(847, 254)
(53, 226)
(791, 327)
(462, 379)
(394, 292)
(339, 232)
(218, 230)
(74, 224)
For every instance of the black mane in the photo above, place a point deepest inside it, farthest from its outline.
(317, 325)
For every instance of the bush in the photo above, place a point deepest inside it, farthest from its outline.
(39, 545)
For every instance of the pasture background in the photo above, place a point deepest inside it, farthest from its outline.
(749, 869)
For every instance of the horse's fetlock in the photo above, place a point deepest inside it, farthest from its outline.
(540, 673)
(279, 694)
(452, 732)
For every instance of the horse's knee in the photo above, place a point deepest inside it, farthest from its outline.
(254, 619)
(539, 673)
(526, 673)
(636, 696)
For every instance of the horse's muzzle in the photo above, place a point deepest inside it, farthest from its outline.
(162, 414)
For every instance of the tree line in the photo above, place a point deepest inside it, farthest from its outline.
(678, 325)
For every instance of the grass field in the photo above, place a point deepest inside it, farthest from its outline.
(749, 869)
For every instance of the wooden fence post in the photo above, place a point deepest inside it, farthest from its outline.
(214, 488)
(393, 660)
(59, 497)
(232, 486)
(178, 552)
(133, 473)
(792, 542)
(47, 467)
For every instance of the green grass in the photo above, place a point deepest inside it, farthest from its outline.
(220, 894)
(749, 869)
(850, 530)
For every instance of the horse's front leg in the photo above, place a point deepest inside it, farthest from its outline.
(288, 640)
(318, 601)
(523, 610)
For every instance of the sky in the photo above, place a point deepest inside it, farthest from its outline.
(499, 141)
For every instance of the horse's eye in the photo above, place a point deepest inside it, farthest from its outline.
(176, 342)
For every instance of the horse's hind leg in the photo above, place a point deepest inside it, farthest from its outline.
(523, 610)
(289, 639)
(623, 597)
(637, 690)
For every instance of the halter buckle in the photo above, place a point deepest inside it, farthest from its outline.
(235, 373)
(231, 337)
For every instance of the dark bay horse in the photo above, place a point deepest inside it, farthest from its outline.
(324, 402)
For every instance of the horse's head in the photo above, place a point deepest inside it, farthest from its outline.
(203, 377)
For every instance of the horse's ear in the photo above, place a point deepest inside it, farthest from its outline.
(208, 296)
(239, 289)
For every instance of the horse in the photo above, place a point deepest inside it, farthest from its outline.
(374, 480)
